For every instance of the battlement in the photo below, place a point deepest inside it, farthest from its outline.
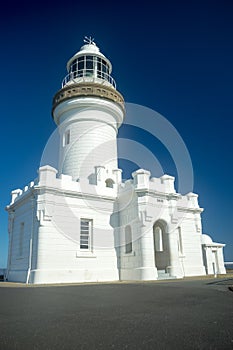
(142, 181)
(103, 182)
(18, 193)
(163, 187)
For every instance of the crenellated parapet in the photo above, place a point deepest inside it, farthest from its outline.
(21, 193)
(162, 187)
(156, 198)
(103, 183)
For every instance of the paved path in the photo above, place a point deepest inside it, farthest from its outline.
(191, 314)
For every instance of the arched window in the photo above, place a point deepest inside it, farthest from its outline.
(128, 239)
(109, 183)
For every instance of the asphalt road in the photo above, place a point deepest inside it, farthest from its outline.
(152, 315)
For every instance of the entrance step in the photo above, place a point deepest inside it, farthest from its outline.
(163, 275)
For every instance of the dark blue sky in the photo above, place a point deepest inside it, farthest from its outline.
(175, 57)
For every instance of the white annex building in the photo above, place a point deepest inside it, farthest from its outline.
(81, 222)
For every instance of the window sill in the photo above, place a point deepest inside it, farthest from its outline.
(130, 254)
(85, 254)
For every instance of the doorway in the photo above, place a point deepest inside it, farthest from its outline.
(161, 251)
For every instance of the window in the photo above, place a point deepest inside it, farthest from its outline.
(66, 139)
(89, 62)
(180, 244)
(158, 239)
(89, 66)
(80, 65)
(128, 240)
(21, 238)
(85, 234)
(109, 183)
(73, 67)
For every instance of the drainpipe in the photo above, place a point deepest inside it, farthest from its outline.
(10, 229)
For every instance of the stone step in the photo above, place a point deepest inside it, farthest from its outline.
(163, 275)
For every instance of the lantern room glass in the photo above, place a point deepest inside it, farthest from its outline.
(89, 66)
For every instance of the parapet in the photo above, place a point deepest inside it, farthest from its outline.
(18, 193)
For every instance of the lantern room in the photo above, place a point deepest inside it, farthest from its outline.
(89, 65)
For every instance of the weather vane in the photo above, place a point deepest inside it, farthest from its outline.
(89, 40)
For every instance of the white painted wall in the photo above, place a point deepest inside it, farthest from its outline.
(51, 211)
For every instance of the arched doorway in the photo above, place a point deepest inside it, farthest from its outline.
(161, 250)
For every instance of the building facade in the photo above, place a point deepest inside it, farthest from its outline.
(81, 222)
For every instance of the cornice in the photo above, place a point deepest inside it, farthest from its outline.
(73, 194)
(190, 210)
(88, 89)
(156, 194)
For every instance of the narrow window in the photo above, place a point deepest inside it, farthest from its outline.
(89, 62)
(74, 69)
(66, 139)
(98, 67)
(128, 240)
(21, 238)
(80, 64)
(180, 244)
(85, 234)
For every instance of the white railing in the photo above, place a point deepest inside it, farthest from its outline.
(89, 76)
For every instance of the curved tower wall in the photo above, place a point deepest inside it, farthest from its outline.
(91, 126)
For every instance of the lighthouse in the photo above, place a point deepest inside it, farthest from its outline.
(88, 111)
(82, 222)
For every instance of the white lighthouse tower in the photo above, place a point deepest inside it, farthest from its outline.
(88, 110)
(80, 222)
(66, 232)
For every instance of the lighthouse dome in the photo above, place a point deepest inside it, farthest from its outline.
(205, 239)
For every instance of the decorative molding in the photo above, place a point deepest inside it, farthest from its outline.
(190, 210)
(144, 217)
(160, 195)
(213, 245)
(85, 254)
(42, 216)
(88, 89)
(73, 194)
